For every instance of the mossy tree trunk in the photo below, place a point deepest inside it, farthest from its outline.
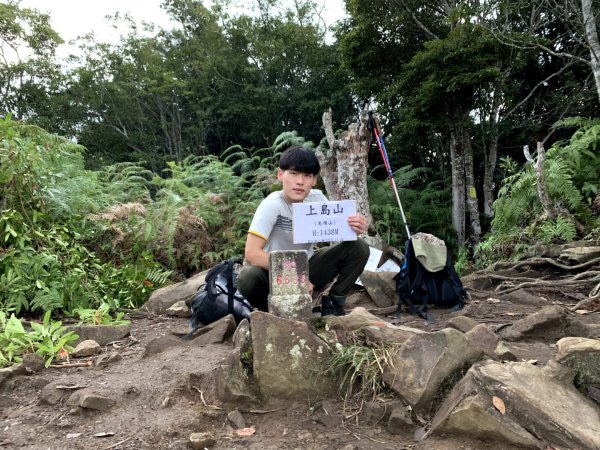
(344, 167)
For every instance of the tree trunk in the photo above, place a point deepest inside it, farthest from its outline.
(471, 192)
(458, 187)
(591, 37)
(491, 155)
(344, 167)
(538, 167)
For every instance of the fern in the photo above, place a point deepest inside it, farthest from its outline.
(557, 231)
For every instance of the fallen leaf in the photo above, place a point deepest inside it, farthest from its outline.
(245, 431)
(70, 386)
(493, 300)
(62, 353)
(582, 311)
(499, 404)
(104, 434)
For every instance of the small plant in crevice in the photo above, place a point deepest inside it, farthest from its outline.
(361, 366)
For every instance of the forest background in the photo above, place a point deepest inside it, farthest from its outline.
(137, 164)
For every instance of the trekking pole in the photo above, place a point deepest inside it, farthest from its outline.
(373, 124)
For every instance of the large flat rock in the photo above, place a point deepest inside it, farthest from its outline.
(289, 359)
(427, 363)
(519, 404)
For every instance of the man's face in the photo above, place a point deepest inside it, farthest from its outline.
(296, 185)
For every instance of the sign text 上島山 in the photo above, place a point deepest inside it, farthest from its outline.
(323, 221)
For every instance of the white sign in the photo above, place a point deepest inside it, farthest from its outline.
(373, 262)
(388, 266)
(323, 221)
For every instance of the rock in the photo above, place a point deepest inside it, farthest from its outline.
(51, 394)
(462, 323)
(160, 344)
(165, 297)
(474, 417)
(579, 255)
(503, 353)
(242, 338)
(427, 362)
(583, 356)
(523, 297)
(39, 383)
(400, 421)
(381, 287)
(86, 348)
(554, 369)
(330, 421)
(594, 393)
(236, 419)
(374, 413)
(179, 309)
(478, 281)
(289, 297)
(33, 363)
(9, 372)
(360, 318)
(483, 338)
(503, 402)
(200, 441)
(107, 358)
(102, 334)
(233, 387)
(358, 298)
(90, 400)
(216, 332)
(289, 359)
(387, 335)
(548, 323)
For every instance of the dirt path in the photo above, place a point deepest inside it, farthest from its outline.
(163, 398)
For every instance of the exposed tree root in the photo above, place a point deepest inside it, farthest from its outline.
(544, 261)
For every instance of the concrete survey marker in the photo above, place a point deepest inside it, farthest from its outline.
(288, 274)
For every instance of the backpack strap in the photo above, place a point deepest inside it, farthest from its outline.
(230, 287)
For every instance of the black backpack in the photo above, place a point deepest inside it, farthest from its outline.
(417, 287)
(219, 297)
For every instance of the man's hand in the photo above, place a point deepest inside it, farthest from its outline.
(358, 223)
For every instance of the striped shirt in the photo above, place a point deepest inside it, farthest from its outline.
(273, 221)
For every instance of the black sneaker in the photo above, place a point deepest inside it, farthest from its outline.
(330, 307)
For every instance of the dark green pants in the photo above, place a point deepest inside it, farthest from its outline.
(345, 261)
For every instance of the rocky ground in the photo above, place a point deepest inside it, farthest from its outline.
(141, 392)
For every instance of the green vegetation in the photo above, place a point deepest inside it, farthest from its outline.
(48, 339)
(181, 130)
(360, 366)
(99, 316)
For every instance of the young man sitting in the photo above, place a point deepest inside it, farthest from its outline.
(271, 229)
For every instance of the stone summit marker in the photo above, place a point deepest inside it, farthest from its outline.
(288, 276)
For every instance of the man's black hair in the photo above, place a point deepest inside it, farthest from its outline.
(300, 159)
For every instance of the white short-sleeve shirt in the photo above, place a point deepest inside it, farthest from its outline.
(273, 222)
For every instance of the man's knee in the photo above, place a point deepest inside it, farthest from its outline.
(361, 250)
(249, 278)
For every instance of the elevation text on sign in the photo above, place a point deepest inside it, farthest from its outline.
(323, 221)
